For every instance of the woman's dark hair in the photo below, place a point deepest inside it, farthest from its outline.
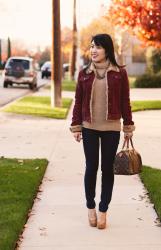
(105, 41)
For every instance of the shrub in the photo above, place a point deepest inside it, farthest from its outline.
(153, 57)
(148, 81)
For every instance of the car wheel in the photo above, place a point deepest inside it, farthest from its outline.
(31, 86)
(5, 84)
(35, 86)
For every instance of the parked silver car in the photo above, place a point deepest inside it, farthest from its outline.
(20, 70)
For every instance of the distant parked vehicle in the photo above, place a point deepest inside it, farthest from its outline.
(46, 69)
(20, 70)
(66, 67)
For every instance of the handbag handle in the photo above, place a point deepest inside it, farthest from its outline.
(126, 143)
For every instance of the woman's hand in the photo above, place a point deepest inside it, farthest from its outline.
(128, 135)
(77, 136)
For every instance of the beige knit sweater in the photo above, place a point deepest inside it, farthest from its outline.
(99, 104)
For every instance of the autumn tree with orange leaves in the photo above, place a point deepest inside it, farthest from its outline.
(98, 25)
(141, 17)
(66, 44)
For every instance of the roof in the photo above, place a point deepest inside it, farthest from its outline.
(21, 57)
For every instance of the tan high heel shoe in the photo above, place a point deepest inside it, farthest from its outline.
(101, 222)
(92, 217)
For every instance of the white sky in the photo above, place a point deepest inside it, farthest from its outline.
(30, 20)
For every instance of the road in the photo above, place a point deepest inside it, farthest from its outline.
(11, 93)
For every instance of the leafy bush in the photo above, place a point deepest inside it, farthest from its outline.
(153, 58)
(148, 81)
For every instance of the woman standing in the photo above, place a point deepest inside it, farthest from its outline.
(101, 100)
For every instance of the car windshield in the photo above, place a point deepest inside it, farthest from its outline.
(24, 63)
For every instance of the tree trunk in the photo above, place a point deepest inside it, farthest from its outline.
(56, 74)
(74, 46)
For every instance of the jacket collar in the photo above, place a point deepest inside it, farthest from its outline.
(90, 68)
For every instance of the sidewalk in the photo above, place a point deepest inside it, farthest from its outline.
(59, 219)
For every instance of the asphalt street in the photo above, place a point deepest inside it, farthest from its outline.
(11, 93)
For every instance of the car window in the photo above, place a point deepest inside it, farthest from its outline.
(24, 63)
(47, 64)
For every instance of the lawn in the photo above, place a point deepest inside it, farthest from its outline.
(145, 105)
(151, 177)
(20, 180)
(39, 106)
(67, 85)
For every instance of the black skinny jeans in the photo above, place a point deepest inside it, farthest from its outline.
(109, 144)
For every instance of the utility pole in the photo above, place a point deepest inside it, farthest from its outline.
(0, 54)
(74, 47)
(56, 74)
(9, 48)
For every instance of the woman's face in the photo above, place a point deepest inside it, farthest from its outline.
(97, 53)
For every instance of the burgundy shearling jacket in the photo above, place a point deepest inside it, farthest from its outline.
(118, 99)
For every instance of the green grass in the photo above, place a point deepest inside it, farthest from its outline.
(19, 183)
(67, 85)
(145, 105)
(39, 106)
(151, 177)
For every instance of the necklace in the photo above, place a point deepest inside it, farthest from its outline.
(98, 76)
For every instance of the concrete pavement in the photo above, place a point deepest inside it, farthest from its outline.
(59, 216)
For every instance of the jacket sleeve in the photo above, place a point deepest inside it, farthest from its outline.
(76, 125)
(128, 124)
